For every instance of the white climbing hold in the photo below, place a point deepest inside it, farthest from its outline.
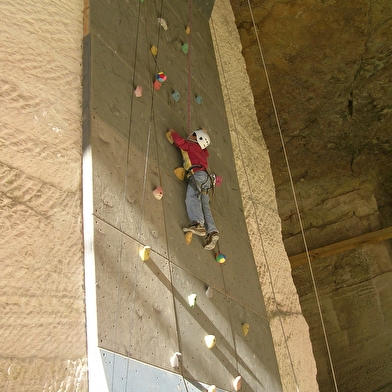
(210, 340)
(162, 23)
(209, 292)
(245, 328)
(158, 193)
(144, 252)
(237, 383)
(192, 300)
(175, 359)
(138, 91)
(212, 388)
(176, 95)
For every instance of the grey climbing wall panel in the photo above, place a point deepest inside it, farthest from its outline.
(126, 374)
(143, 312)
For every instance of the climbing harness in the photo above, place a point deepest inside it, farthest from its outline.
(206, 187)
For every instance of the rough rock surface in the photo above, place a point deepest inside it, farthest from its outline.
(288, 326)
(329, 69)
(42, 323)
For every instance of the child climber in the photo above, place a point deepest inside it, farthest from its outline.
(194, 153)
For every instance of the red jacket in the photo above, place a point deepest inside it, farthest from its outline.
(192, 153)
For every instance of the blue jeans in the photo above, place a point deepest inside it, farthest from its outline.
(197, 202)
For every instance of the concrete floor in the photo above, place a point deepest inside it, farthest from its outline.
(143, 312)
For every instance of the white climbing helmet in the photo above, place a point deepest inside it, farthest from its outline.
(202, 138)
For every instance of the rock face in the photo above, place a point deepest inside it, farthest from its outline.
(43, 345)
(329, 70)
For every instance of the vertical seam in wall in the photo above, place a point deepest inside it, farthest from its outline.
(86, 17)
(96, 374)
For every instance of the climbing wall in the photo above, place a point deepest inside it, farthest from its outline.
(151, 335)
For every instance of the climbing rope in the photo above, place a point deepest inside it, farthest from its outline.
(294, 195)
(189, 87)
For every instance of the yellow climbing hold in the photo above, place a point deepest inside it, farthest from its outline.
(154, 50)
(144, 252)
(180, 173)
(188, 30)
(188, 237)
(245, 328)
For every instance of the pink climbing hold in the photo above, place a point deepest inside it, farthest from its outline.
(158, 193)
(138, 91)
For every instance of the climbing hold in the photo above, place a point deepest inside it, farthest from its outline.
(154, 50)
(174, 360)
(199, 99)
(184, 48)
(188, 237)
(180, 173)
(237, 383)
(157, 85)
(161, 77)
(144, 252)
(138, 91)
(158, 193)
(162, 23)
(188, 30)
(210, 340)
(209, 292)
(192, 300)
(220, 258)
(245, 328)
(212, 388)
(218, 180)
(176, 95)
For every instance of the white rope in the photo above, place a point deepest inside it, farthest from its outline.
(295, 198)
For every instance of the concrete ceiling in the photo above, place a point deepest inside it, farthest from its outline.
(329, 66)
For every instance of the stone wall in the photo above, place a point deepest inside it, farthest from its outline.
(288, 326)
(42, 324)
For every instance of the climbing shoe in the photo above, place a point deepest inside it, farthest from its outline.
(211, 239)
(196, 228)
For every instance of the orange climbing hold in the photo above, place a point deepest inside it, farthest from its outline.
(157, 85)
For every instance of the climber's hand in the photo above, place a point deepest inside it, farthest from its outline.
(169, 136)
